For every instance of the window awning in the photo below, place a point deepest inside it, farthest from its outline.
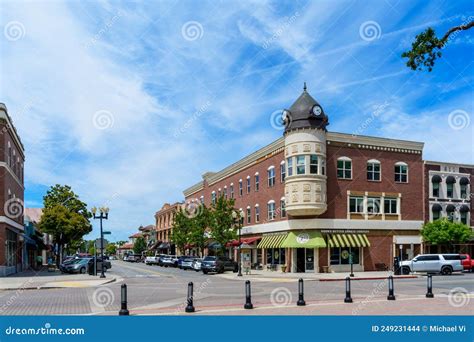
(304, 239)
(464, 209)
(348, 240)
(272, 240)
(436, 179)
(464, 181)
(450, 180)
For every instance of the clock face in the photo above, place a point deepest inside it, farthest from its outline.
(317, 110)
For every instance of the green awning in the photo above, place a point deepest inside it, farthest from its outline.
(272, 240)
(348, 240)
(304, 239)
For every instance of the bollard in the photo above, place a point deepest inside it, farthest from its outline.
(429, 293)
(348, 298)
(123, 310)
(190, 307)
(391, 294)
(248, 296)
(300, 301)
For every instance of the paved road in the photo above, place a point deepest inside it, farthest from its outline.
(157, 290)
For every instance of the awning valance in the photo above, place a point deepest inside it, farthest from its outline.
(436, 179)
(304, 239)
(464, 181)
(348, 240)
(450, 180)
(272, 240)
(464, 209)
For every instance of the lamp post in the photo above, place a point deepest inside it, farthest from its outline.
(104, 215)
(237, 218)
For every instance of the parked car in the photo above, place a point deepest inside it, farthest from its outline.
(180, 259)
(133, 258)
(168, 260)
(151, 260)
(196, 265)
(187, 263)
(77, 266)
(218, 264)
(433, 263)
(467, 262)
(107, 263)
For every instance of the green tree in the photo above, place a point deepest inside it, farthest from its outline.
(199, 224)
(111, 249)
(427, 47)
(446, 233)
(139, 246)
(221, 222)
(181, 229)
(91, 250)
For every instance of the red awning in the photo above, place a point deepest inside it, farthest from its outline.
(248, 241)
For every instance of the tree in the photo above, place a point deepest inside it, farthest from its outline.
(199, 225)
(221, 222)
(181, 229)
(139, 246)
(427, 47)
(447, 233)
(111, 249)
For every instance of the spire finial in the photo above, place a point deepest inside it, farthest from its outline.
(304, 86)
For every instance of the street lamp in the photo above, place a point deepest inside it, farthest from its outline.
(237, 218)
(104, 215)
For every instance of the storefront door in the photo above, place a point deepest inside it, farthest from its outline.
(300, 260)
(309, 259)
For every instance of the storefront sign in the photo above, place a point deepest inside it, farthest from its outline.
(344, 231)
(302, 238)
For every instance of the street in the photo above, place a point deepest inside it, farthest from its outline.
(154, 290)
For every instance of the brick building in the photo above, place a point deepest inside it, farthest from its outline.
(164, 219)
(12, 159)
(314, 199)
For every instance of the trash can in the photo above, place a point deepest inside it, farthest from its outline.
(90, 268)
(396, 266)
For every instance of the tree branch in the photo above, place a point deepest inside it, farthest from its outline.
(456, 28)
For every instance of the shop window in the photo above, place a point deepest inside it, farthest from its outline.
(390, 206)
(340, 255)
(271, 176)
(344, 168)
(401, 172)
(276, 256)
(300, 165)
(373, 205)
(313, 164)
(356, 204)
(373, 170)
(289, 163)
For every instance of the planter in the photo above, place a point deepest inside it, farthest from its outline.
(283, 268)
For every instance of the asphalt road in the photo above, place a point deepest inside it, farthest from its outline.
(154, 290)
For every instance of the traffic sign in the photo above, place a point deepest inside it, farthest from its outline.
(105, 233)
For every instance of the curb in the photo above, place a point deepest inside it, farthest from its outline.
(50, 287)
(370, 278)
(322, 279)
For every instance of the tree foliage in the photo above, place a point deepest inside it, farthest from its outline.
(445, 232)
(427, 47)
(111, 249)
(199, 226)
(181, 229)
(139, 246)
(221, 223)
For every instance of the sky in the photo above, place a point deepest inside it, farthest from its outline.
(131, 102)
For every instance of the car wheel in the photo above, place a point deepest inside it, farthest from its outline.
(205, 271)
(446, 270)
(82, 270)
(405, 270)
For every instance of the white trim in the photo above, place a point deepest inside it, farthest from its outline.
(231, 184)
(270, 201)
(240, 180)
(10, 171)
(344, 158)
(248, 177)
(213, 192)
(375, 161)
(282, 162)
(256, 173)
(270, 167)
(407, 239)
(9, 221)
(248, 207)
(400, 163)
(282, 199)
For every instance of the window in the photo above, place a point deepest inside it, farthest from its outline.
(323, 167)
(289, 163)
(436, 210)
(390, 205)
(340, 255)
(257, 181)
(313, 164)
(401, 172)
(240, 188)
(450, 212)
(201, 199)
(463, 191)
(248, 184)
(373, 170)
(249, 215)
(463, 217)
(344, 168)
(271, 210)
(213, 197)
(282, 208)
(373, 205)
(271, 176)
(225, 192)
(356, 204)
(219, 193)
(449, 190)
(232, 190)
(282, 172)
(257, 213)
(300, 165)
(436, 189)
(276, 256)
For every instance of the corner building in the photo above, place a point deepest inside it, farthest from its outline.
(315, 200)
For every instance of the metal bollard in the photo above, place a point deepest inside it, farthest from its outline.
(348, 298)
(248, 296)
(190, 307)
(300, 301)
(123, 293)
(429, 293)
(391, 294)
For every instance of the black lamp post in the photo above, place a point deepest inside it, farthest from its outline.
(237, 218)
(104, 215)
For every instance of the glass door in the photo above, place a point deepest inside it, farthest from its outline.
(309, 259)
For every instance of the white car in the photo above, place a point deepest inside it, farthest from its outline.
(433, 263)
(196, 265)
(151, 260)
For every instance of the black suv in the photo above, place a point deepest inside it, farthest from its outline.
(218, 264)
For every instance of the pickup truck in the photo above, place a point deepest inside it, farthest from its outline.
(467, 262)
(433, 263)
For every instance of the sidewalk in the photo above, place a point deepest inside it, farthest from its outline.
(262, 275)
(29, 280)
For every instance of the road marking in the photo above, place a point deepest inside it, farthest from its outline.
(147, 271)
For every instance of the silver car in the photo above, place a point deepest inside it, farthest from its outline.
(433, 263)
(197, 265)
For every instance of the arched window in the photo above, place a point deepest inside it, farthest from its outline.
(257, 181)
(241, 191)
(401, 172)
(282, 207)
(213, 197)
(257, 213)
(271, 176)
(282, 171)
(450, 181)
(450, 212)
(249, 215)
(436, 210)
(463, 184)
(271, 210)
(344, 168)
(373, 170)
(248, 184)
(435, 181)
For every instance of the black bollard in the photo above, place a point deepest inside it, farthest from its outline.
(300, 301)
(123, 310)
(190, 307)
(429, 293)
(248, 296)
(391, 294)
(348, 298)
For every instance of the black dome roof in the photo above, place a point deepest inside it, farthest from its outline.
(300, 114)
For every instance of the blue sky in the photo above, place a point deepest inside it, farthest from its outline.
(129, 103)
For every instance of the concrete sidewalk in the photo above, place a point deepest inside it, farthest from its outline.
(262, 275)
(29, 280)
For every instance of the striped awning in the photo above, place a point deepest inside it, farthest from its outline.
(272, 240)
(348, 240)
